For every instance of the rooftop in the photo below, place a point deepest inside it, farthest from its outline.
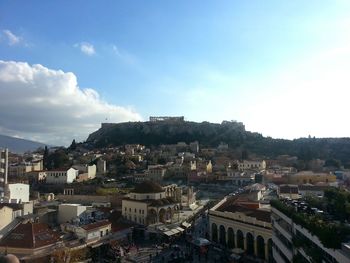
(232, 206)
(148, 187)
(96, 225)
(324, 217)
(31, 236)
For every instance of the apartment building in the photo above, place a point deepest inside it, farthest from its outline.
(294, 242)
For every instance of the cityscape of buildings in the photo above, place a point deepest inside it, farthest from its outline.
(172, 203)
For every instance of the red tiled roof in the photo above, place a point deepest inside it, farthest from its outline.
(30, 235)
(231, 206)
(96, 225)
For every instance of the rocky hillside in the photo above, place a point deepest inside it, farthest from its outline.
(211, 134)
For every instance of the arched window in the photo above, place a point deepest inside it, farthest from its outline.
(222, 235)
(261, 247)
(240, 239)
(214, 233)
(250, 244)
(230, 238)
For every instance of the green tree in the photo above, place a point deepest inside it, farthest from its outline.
(58, 159)
(46, 158)
(73, 145)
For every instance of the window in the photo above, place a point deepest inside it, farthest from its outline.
(126, 209)
(135, 210)
(101, 233)
(130, 210)
(106, 232)
(147, 196)
(140, 211)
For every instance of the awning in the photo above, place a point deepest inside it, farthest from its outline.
(180, 229)
(169, 233)
(186, 225)
(175, 231)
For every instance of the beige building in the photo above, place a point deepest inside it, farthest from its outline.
(68, 212)
(93, 232)
(243, 225)
(251, 165)
(88, 171)
(23, 168)
(149, 203)
(8, 212)
(309, 177)
(238, 178)
(156, 173)
(289, 191)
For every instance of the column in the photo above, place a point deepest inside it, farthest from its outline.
(266, 252)
(255, 246)
(218, 234)
(244, 243)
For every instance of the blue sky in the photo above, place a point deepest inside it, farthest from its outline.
(278, 66)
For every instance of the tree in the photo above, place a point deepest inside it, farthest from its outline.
(73, 145)
(58, 159)
(46, 158)
(332, 163)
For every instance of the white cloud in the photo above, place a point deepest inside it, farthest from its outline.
(86, 48)
(124, 55)
(48, 105)
(11, 38)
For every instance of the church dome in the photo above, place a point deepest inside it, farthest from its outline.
(9, 259)
(148, 187)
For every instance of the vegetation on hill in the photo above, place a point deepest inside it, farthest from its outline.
(335, 150)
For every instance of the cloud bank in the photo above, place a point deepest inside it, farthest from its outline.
(48, 105)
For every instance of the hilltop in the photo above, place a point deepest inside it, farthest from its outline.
(212, 134)
(17, 145)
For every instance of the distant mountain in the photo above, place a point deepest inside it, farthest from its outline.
(17, 145)
(211, 134)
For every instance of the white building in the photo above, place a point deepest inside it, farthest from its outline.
(18, 193)
(61, 176)
(68, 212)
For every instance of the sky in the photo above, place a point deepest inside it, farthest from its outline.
(280, 67)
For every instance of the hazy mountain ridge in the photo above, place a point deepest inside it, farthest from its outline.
(211, 134)
(18, 145)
